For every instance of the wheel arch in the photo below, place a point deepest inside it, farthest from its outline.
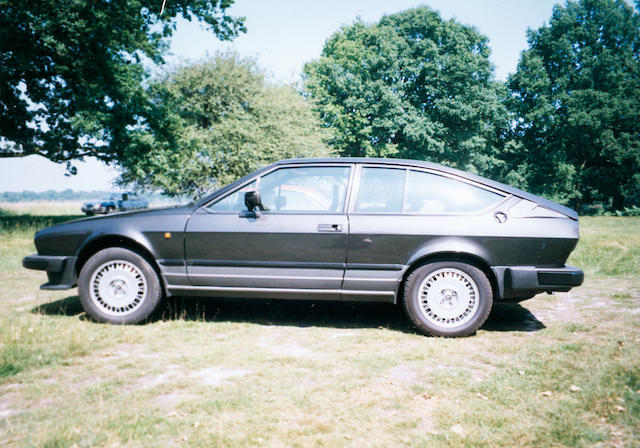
(106, 241)
(461, 257)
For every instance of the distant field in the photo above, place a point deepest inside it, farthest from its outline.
(557, 370)
(41, 208)
(57, 208)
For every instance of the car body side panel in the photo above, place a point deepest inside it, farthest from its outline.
(227, 250)
(62, 240)
(160, 232)
(532, 242)
(516, 242)
(163, 238)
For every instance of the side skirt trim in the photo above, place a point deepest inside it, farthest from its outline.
(279, 290)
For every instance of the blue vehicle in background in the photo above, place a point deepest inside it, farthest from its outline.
(117, 202)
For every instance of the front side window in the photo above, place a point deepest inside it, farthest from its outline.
(233, 202)
(429, 193)
(305, 189)
(299, 189)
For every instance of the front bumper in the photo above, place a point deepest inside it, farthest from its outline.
(526, 281)
(60, 270)
(93, 210)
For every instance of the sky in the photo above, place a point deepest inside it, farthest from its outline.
(282, 35)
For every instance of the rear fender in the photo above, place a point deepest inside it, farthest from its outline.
(455, 245)
(453, 249)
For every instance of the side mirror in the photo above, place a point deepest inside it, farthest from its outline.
(253, 201)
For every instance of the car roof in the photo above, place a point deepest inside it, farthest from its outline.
(428, 165)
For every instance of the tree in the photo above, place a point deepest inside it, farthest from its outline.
(413, 86)
(577, 93)
(72, 74)
(214, 122)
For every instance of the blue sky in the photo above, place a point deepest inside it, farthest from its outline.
(285, 34)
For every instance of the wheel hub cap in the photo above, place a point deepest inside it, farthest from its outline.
(448, 297)
(118, 288)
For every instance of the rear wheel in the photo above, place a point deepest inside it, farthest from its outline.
(118, 286)
(448, 298)
(109, 210)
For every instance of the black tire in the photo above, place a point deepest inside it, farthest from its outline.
(447, 298)
(119, 286)
(109, 210)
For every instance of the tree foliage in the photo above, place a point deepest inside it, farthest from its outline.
(214, 122)
(72, 75)
(412, 86)
(577, 94)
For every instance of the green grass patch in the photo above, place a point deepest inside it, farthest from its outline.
(609, 246)
(557, 370)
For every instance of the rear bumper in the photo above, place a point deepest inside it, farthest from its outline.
(526, 281)
(60, 270)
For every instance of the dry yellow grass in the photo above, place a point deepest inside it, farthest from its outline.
(557, 370)
(42, 208)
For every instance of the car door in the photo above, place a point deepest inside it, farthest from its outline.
(376, 251)
(295, 247)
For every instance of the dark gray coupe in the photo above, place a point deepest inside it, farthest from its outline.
(442, 242)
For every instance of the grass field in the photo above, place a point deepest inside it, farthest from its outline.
(557, 370)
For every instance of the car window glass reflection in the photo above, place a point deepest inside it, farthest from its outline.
(235, 201)
(429, 193)
(309, 189)
(381, 190)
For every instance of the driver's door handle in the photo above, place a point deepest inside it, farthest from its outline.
(329, 227)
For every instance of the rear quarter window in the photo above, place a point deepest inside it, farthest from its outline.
(381, 190)
(429, 193)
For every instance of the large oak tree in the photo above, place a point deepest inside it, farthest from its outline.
(577, 94)
(412, 85)
(213, 122)
(72, 74)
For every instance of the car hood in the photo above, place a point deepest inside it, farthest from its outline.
(150, 212)
(91, 222)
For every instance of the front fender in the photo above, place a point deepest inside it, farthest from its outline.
(136, 237)
(159, 233)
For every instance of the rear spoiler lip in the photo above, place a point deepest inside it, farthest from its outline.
(569, 212)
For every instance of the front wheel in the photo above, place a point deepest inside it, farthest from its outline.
(448, 298)
(118, 286)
